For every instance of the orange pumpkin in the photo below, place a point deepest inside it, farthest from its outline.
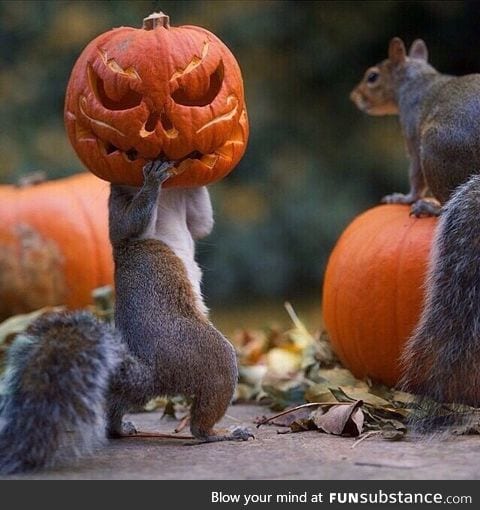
(54, 246)
(373, 289)
(157, 92)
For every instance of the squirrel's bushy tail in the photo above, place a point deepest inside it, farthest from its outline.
(55, 384)
(441, 362)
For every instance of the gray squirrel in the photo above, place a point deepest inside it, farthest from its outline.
(439, 115)
(68, 373)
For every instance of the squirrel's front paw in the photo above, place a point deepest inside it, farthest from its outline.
(127, 429)
(158, 171)
(241, 434)
(425, 207)
(232, 434)
(398, 198)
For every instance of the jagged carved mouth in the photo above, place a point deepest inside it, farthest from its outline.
(132, 154)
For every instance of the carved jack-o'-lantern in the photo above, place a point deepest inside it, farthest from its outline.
(159, 92)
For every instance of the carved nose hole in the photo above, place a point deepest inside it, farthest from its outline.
(166, 122)
(152, 122)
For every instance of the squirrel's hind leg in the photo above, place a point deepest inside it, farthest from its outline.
(130, 389)
(205, 413)
(211, 377)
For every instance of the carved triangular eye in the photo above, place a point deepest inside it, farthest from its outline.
(185, 97)
(129, 100)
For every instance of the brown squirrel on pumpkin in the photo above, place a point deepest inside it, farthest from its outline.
(439, 116)
(68, 371)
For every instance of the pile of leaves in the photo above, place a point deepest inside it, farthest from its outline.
(292, 371)
(298, 371)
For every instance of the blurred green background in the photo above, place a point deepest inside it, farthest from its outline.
(313, 161)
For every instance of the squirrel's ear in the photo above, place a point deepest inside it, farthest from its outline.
(396, 51)
(418, 50)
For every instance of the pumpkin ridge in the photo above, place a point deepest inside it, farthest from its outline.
(400, 274)
(360, 352)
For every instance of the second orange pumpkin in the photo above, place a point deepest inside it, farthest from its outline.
(54, 245)
(373, 289)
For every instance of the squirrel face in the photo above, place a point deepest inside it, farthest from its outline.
(376, 93)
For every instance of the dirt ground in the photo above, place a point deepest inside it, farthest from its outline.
(305, 455)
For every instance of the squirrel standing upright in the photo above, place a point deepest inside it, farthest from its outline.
(68, 372)
(439, 115)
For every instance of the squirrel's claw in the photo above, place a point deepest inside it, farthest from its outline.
(128, 429)
(235, 434)
(241, 434)
(159, 170)
(425, 207)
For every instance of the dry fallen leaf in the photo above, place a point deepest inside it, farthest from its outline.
(320, 393)
(341, 420)
(287, 418)
(359, 393)
(282, 362)
(338, 376)
(294, 366)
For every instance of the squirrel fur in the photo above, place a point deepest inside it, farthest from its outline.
(57, 377)
(439, 119)
(69, 376)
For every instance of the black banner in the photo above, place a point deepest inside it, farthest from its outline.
(212, 494)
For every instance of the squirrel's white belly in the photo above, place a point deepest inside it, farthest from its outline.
(169, 225)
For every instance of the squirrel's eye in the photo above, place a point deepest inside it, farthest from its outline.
(372, 77)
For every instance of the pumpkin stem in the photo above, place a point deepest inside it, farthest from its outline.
(156, 19)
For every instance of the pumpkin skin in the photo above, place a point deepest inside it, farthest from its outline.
(158, 92)
(373, 289)
(54, 245)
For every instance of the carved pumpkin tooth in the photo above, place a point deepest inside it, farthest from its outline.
(209, 160)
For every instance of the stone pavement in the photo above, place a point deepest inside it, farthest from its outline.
(305, 455)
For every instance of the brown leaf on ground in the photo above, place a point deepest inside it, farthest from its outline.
(302, 425)
(286, 367)
(320, 393)
(341, 420)
(339, 377)
(286, 420)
